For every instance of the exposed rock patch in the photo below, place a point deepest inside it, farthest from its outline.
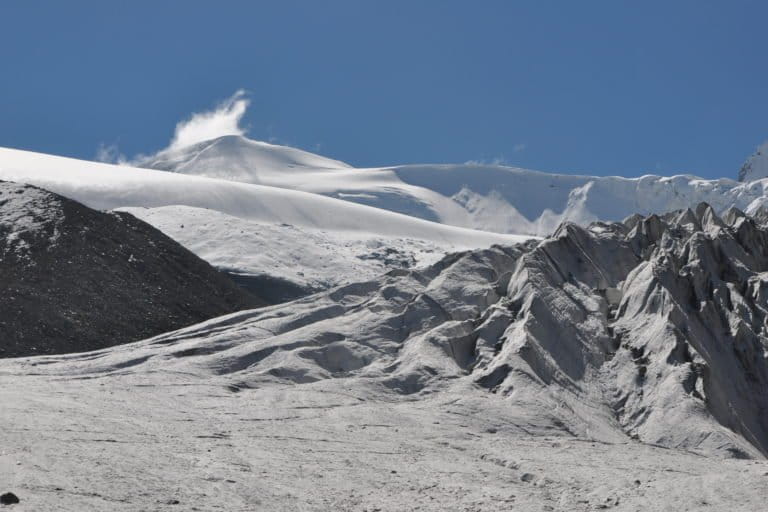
(8, 499)
(75, 279)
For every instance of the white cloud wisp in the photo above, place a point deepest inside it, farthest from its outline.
(202, 126)
(222, 120)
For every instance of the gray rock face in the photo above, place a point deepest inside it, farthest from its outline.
(653, 329)
(656, 326)
(75, 279)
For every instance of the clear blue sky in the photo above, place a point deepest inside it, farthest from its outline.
(604, 87)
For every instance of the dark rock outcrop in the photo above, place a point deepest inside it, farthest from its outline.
(8, 499)
(75, 279)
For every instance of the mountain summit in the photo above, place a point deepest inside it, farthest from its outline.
(487, 197)
(756, 166)
(237, 158)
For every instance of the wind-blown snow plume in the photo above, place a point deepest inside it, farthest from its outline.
(202, 126)
(199, 127)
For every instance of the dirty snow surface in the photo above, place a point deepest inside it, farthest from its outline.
(95, 437)
(313, 259)
(619, 366)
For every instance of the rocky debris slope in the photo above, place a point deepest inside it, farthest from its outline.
(652, 329)
(75, 279)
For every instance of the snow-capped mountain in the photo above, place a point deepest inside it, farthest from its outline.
(756, 166)
(492, 376)
(106, 186)
(230, 198)
(236, 158)
(486, 197)
(303, 240)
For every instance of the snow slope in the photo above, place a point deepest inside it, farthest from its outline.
(105, 186)
(312, 259)
(306, 240)
(488, 197)
(231, 157)
(89, 437)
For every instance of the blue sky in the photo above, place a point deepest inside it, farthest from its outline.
(599, 87)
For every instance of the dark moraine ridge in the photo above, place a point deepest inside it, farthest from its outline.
(74, 279)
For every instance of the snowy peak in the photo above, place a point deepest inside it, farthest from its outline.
(486, 197)
(756, 166)
(237, 158)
